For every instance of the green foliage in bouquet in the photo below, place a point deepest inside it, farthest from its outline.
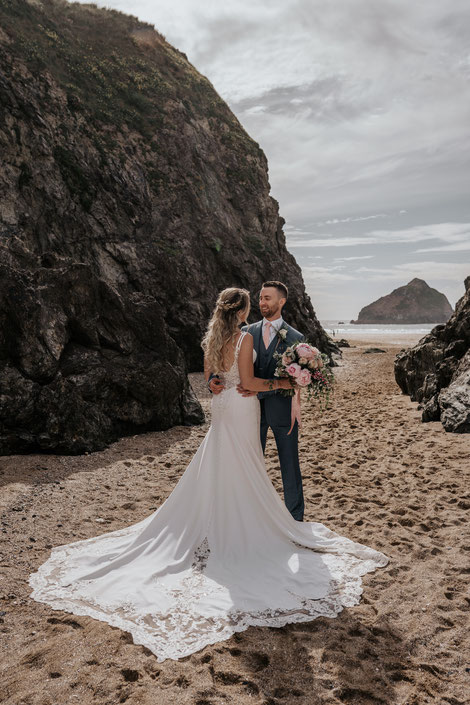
(310, 369)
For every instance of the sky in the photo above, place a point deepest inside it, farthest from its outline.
(362, 108)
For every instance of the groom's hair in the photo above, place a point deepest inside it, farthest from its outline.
(282, 288)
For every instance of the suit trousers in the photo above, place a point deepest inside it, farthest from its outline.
(276, 414)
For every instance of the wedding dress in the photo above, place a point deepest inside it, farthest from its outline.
(222, 552)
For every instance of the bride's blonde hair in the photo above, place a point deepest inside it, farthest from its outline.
(223, 325)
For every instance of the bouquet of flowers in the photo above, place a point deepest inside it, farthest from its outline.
(309, 368)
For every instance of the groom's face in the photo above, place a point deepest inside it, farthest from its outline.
(270, 302)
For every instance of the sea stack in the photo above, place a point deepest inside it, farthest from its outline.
(416, 302)
(436, 371)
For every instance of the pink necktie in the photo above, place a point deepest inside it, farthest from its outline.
(267, 328)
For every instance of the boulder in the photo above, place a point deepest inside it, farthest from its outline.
(454, 400)
(80, 364)
(435, 372)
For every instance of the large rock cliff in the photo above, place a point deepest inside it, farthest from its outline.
(436, 372)
(130, 195)
(416, 302)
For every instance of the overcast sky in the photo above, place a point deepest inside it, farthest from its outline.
(363, 110)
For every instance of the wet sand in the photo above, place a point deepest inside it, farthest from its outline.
(372, 471)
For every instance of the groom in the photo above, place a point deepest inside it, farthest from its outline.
(273, 334)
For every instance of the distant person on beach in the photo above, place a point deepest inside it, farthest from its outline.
(222, 552)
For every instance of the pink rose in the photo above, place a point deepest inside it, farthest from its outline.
(316, 362)
(293, 370)
(306, 350)
(303, 361)
(287, 359)
(304, 378)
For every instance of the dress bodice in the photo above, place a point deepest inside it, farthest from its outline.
(232, 377)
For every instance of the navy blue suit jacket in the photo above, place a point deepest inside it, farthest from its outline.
(277, 345)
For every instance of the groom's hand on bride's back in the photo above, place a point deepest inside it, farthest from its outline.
(245, 392)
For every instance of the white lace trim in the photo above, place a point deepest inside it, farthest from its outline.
(184, 631)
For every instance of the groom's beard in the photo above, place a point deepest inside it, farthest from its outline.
(269, 312)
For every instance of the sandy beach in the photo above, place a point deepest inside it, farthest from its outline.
(372, 471)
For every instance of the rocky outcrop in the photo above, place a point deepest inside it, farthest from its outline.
(416, 302)
(454, 401)
(81, 364)
(130, 195)
(436, 372)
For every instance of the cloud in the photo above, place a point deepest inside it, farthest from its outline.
(428, 270)
(325, 275)
(349, 259)
(360, 122)
(335, 221)
(446, 232)
(456, 247)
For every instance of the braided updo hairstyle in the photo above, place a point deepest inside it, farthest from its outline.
(223, 325)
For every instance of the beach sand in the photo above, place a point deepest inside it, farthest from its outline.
(372, 471)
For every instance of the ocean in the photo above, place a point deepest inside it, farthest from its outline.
(391, 333)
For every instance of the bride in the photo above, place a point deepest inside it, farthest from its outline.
(222, 552)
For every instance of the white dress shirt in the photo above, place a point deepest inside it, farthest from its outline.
(275, 325)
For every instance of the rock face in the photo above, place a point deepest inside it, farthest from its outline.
(414, 303)
(436, 372)
(130, 195)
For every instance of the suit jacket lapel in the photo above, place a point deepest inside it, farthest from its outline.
(256, 332)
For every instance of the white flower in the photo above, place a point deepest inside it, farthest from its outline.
(282, 332)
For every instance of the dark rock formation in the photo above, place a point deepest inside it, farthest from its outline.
(436, 372)
(414, 303)
(81, 364)
(373, 351)
(454, 402)
(130, 195)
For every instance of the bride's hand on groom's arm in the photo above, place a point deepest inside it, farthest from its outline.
(213, 382)
(216, 385)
